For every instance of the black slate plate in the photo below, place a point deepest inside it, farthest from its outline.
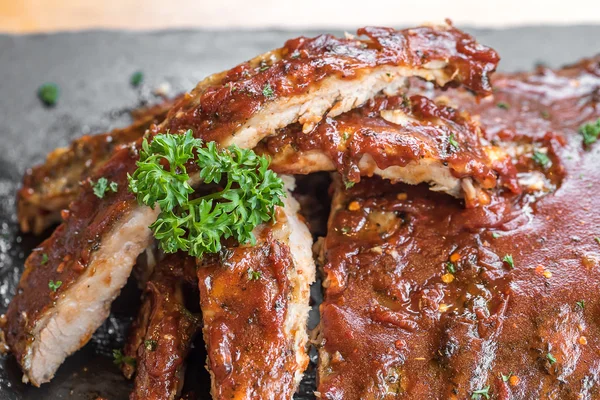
(92, 70)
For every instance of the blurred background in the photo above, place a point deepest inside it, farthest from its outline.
(24, 16)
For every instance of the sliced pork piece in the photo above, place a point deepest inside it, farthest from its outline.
(312, 77)
(70, 281)
(50, 187)
(255, 303)
(396, 319)
(412, 140)
(163, 332)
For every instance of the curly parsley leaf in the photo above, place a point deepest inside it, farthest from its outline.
(249, 195)
(168, 187)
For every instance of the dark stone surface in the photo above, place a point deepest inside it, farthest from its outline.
(92, 70)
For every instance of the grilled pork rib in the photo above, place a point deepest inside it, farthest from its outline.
(426, 299)
(161, 337)
(50, 187)
(255, 307)
(310, 78)
(412, 140)
(96, 246)
(71, 279)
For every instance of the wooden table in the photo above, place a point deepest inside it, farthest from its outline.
(20, 16)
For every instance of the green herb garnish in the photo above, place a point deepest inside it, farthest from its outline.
(450, 267)
(249, 196)
(590, 132)
(150, 344)
(120, 359)
(541, 159)
(102, 185)
(551, 358)
(349, 184)
(254, 275)
(44, 259)
(485, 392)
(597, 239)
(509, 260)
(54, 285)
(503, 105)
(136, 78)
(495, 235)
(267, 91)
(453, 142)
(48, 93)
(505, 378)
(580, 304)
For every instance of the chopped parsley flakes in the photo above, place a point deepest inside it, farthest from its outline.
(54, 285)
(581, 304)
(590, 132)
(254, 275)
(551, 358)
(541, 159)
(44, 259)
(503, 105)
(450, 267)
(102, 186)
(150, 344)
(267, 91)
(120, 359)
(136, 78)
(509, 260)
(485, 392)
(48, 94)
(453, 143)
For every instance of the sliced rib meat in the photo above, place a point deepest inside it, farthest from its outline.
(255, 303)
(408, 139)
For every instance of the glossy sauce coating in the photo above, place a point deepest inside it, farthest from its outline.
(426, 299)
(217, 109)
(244, 297)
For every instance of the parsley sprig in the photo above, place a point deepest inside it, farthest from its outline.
(249, 195)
